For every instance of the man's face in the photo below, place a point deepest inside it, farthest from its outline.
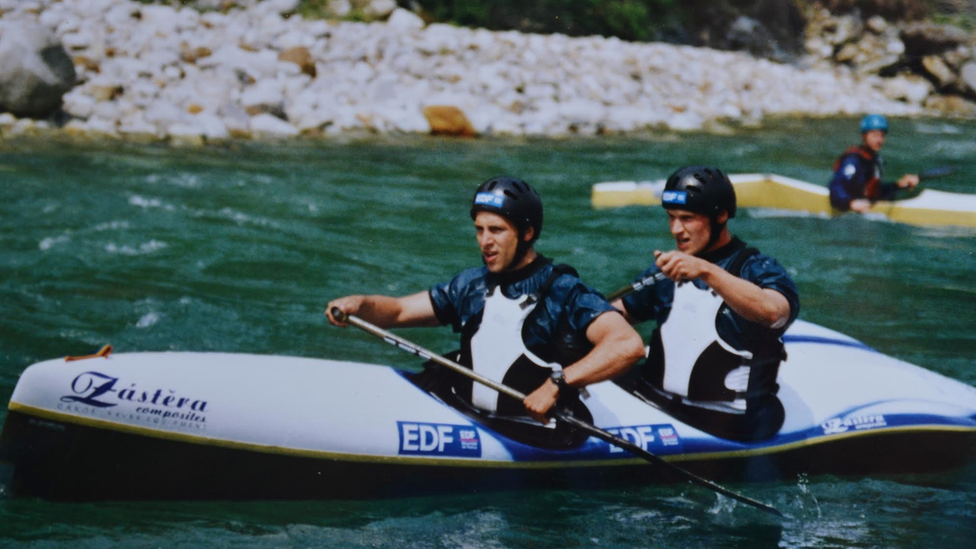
(874, 139)
(691, 231)
(498, 240)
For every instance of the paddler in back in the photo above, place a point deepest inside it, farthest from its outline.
(721, 309)
(857, 184)
(524, 321)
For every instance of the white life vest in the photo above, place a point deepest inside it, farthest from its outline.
(687, 332)
(498, 344)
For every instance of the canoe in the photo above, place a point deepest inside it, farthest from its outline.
(776, 192)
(185, 425)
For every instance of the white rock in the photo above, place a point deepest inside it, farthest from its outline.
(276, 7)
(213, 127)
(294, 38)
(234, 118)
(270, 125)
(361, 73)
(187, 19)
(185, 133)
(212, 19)
(164, 114)
(264, 93)
(78, 104)
(406, 120)
(77, 40)
(100, 125)
(339, 8)
(160, 58)
(967, 76)
(912, 89)
(159, 20)
(404, 20)
(895, 46)
(120, 16)
(317, 28)
(378, 9)
(308, 118)
(686, 121)
(136, 125)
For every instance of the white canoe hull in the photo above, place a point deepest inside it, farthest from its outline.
(323, 428)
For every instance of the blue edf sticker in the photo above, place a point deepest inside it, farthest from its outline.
(489, 199)
(674, 197)
(438, 439)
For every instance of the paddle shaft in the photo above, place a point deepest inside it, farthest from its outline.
(559, 413)
(636, 286)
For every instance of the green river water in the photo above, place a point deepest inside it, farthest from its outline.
(239, 248)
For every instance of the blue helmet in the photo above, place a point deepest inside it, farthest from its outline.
(874, 122)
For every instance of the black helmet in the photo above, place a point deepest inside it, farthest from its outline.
(700, 189)
(512, 199)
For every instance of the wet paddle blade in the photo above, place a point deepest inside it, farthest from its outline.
(936, 173)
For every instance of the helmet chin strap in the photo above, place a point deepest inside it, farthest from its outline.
(520, 250)
(716, 232)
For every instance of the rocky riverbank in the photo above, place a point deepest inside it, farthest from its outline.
(155, 72)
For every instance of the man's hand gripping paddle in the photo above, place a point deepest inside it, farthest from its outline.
(636, 286)
(559, 413)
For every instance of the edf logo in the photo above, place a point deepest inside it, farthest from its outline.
(438, 439)
(646, 436)
(641, 435)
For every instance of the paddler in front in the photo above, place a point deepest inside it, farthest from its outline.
(721, 309)
(857, 184)
(524, 321)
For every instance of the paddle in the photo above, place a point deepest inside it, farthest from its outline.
(926, 175)
(936, 173)
(559, 413)
(636, 286)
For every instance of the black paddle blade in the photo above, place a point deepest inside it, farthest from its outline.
(935, 173)
(652, 458)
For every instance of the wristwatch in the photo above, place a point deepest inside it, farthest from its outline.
(559, 379)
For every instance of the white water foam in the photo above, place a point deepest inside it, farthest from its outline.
(147, 320)
(143, 249)
(52, 241)
(142, 202)
(933, 129)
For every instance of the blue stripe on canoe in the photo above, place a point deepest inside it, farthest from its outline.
(827, 341)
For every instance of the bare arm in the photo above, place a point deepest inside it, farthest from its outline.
(616, 347)
(619, 305)
(767, 307)
(385, 311)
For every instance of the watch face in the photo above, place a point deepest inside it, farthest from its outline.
(558, 379)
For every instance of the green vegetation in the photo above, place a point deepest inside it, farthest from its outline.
(696, 22)
(627, 19)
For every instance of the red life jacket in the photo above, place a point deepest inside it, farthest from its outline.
(872, 187)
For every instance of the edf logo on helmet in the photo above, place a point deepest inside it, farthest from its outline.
(489, 199)
(674, 197)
